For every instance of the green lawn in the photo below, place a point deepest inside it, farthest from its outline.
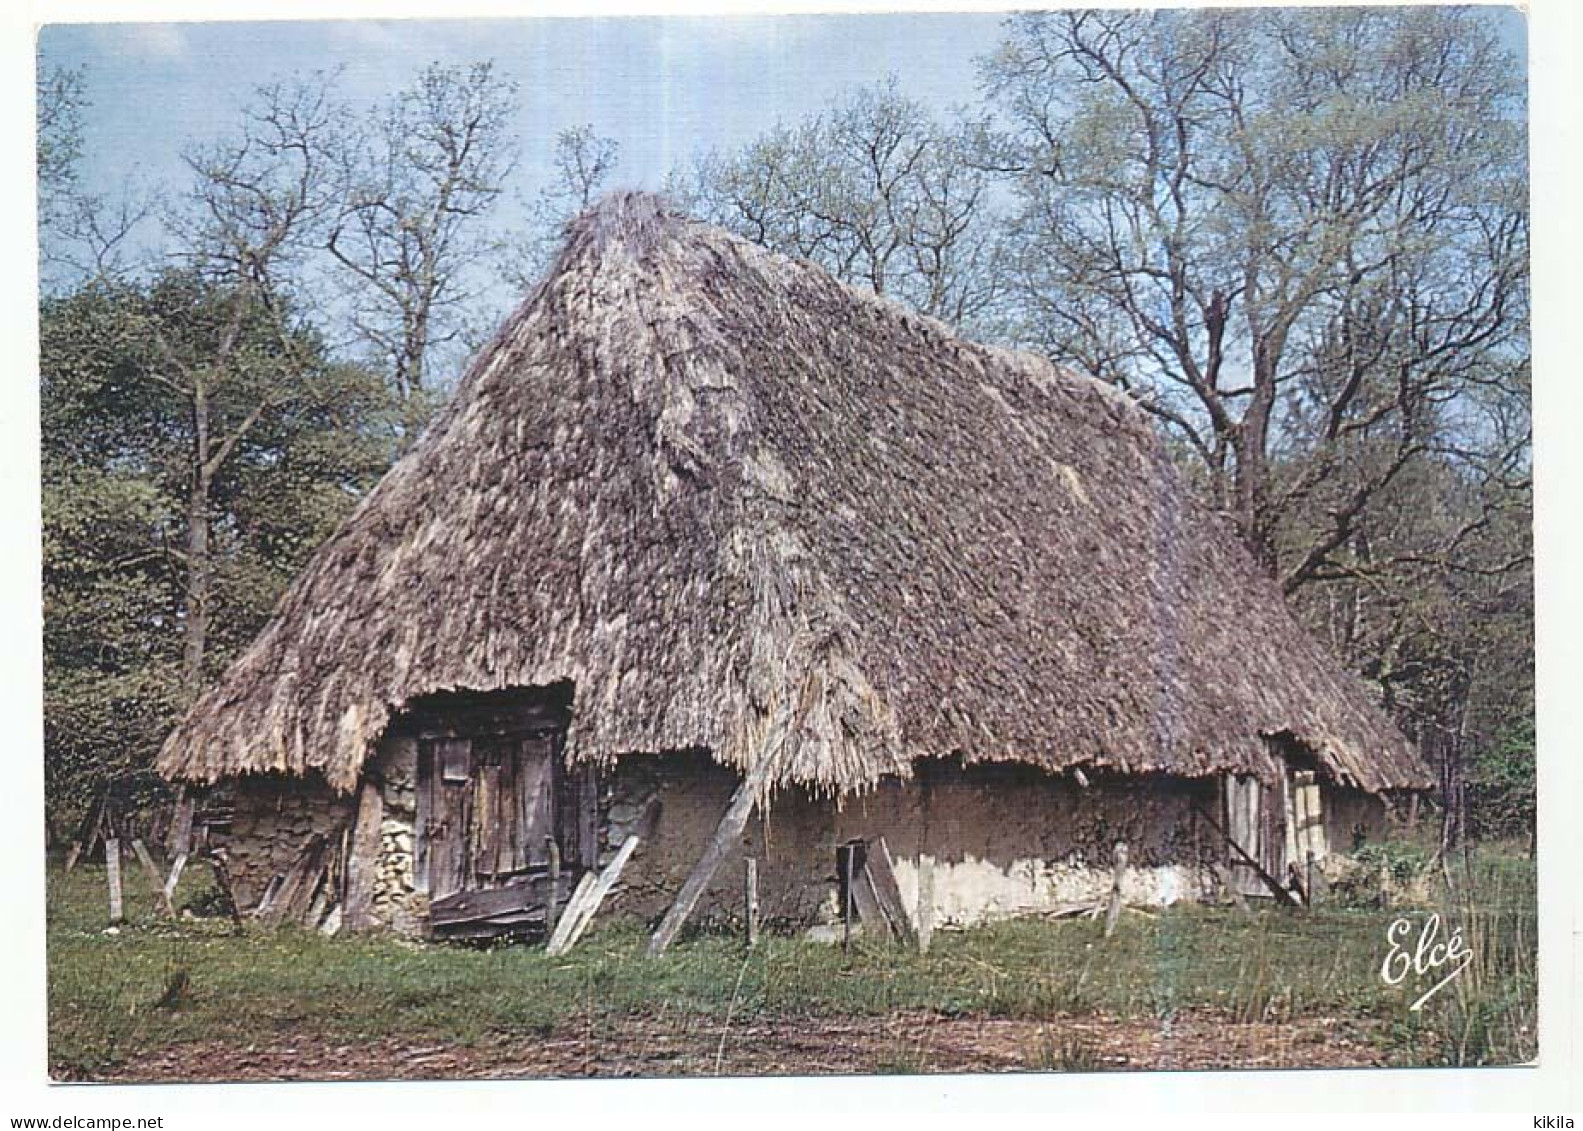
(156, 983)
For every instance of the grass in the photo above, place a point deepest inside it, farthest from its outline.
(156, 983)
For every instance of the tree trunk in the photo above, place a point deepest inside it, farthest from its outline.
(195, 627)
(1255, 523)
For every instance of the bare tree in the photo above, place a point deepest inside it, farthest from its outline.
(582, 165)
(255, 209)
(84, 236)
(1294, 235)
(61, 98)
(414, 182)
(874, 190)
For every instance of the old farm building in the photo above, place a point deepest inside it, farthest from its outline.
(705, 530)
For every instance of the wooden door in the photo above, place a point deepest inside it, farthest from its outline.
(1305, 818)
(486, 810)
(1254, 821)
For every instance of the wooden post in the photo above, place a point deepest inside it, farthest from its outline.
(143, 858)
(750, 892)
(362, 858)
(729, 830)
(552, 904)
(844, 855)
(176, 868)
(925, 902)
(112, 867)
(180, 838)
(1114, 914)
(1309, 894)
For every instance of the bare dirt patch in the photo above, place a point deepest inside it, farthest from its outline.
(673, 1046)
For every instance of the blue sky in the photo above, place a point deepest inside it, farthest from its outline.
(663, 88)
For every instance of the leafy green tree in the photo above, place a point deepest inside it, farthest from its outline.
(120, 438)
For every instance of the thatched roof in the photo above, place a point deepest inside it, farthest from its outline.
(729, 497)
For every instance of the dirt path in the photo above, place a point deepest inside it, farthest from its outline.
(672, 1046)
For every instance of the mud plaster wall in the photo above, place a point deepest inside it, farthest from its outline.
(1005, 840)
(272, 818)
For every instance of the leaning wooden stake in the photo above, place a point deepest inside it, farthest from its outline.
(87, 833)
(729, 830)
(880, 871)
(112, 867)
(577, 918)
(1114, 914)
(1276, 888)
(143, 858)
(750, 894)
(176, 868)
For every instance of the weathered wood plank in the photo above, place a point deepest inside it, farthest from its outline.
(483, 843)
(570, 912)
(140, 850)
(596, 894)
(299, 884)
(363, 856)
(450, 824)
(876, 924)
(925, 902)
(423, 827)
(112, 867)
(887, 892)
(524, 923)
(536, 800)
(468, 906)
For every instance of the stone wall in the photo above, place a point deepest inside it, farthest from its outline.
(397, 902)
(274, 816)
(1005, 840)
